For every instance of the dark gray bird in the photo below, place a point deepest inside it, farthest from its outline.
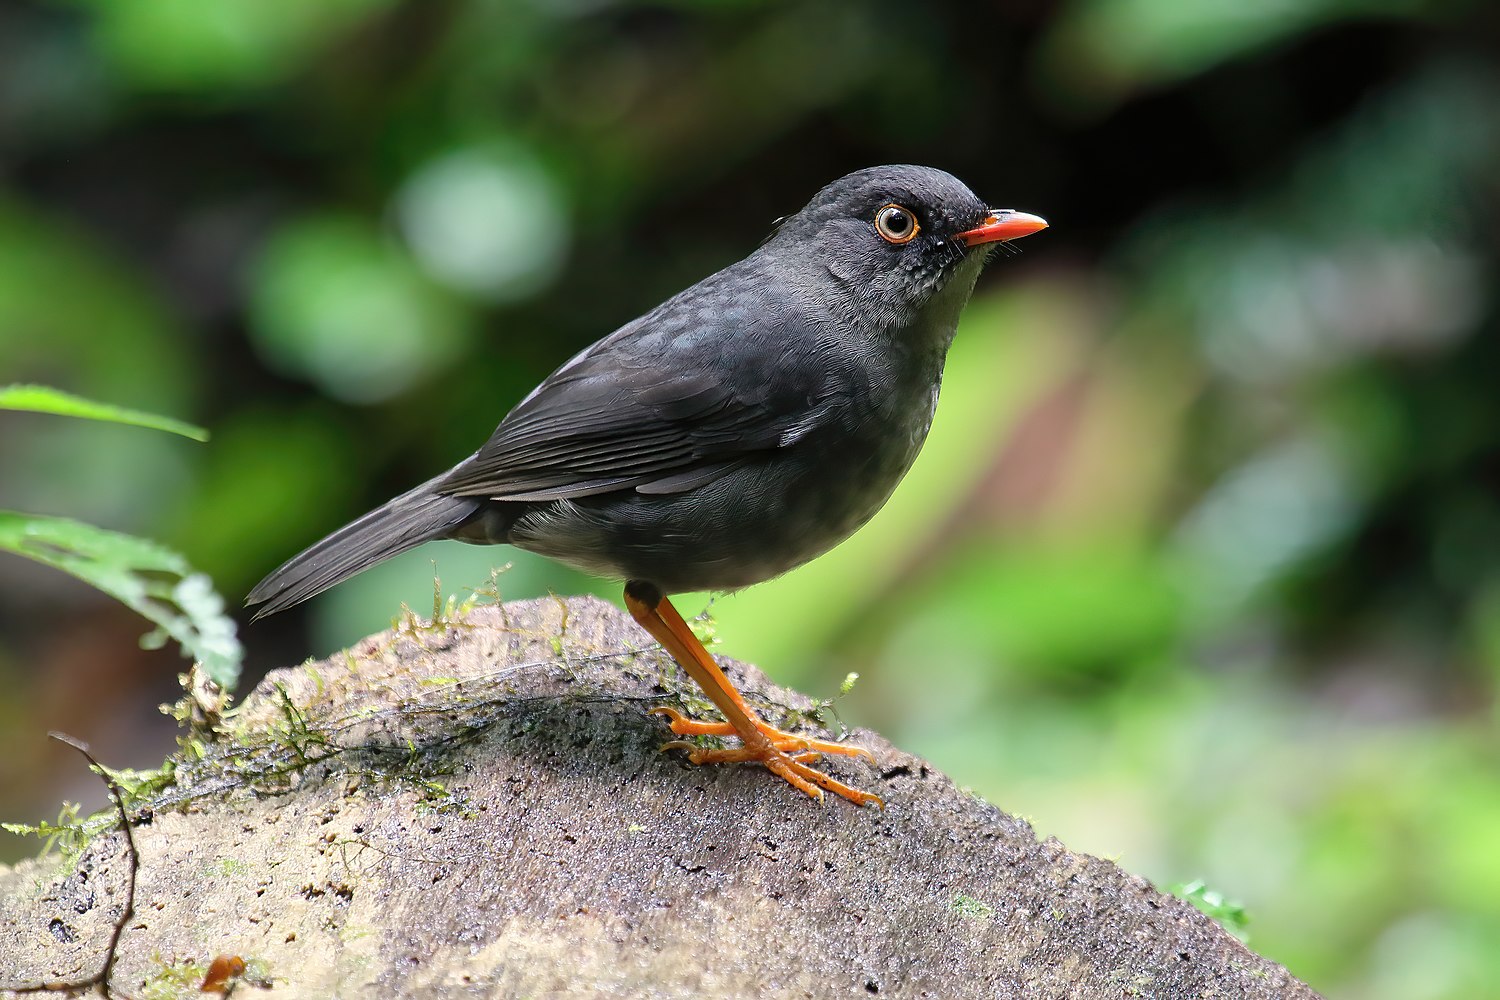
(737, 430)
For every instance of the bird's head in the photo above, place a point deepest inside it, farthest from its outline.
(896, 238)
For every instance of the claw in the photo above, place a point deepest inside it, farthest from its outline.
(784, 754)
(787, 756)
(681, 725)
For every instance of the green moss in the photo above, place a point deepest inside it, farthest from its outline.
(220, 754)
(968, 906)
(68, 834)
(173, 980)
(226, 866)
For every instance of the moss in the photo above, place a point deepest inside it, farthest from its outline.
(968, 906)
(68, 835)
(173, 980)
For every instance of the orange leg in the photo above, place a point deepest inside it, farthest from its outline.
(784, 754)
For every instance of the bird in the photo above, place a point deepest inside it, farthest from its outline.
(739, 429)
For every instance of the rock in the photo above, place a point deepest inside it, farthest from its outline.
(479, 808)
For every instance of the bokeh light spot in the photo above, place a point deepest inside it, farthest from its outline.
(491, 223)
(336, 302)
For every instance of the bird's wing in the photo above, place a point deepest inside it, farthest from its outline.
(616, 420)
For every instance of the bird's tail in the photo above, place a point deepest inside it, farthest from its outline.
(404, 523)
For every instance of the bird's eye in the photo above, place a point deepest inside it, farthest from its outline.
(896, 224)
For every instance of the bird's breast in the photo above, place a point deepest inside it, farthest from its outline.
(775, 509)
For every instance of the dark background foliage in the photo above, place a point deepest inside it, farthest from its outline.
(1201, 567)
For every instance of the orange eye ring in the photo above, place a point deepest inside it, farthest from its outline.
(896, 224)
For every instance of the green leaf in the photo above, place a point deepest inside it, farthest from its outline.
(148, 578)
(1229, 913)
(41, 399)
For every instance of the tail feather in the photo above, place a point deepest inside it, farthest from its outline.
(414, 517)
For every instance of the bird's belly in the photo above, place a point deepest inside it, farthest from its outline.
(760, 520)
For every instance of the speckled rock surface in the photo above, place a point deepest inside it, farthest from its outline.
(481, 811)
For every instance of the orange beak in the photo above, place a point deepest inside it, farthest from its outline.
(1003, 224)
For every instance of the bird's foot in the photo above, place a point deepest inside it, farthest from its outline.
(779, 738)
(784, 754)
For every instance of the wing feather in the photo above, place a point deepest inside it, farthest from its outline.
(616, 424)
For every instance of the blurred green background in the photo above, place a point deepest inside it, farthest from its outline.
(1200, 569)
